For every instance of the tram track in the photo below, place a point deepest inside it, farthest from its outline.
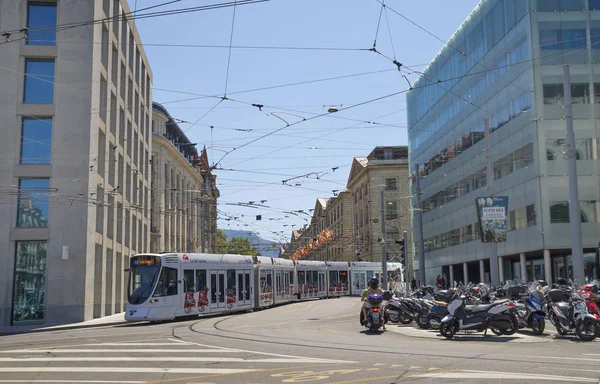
(346, 347)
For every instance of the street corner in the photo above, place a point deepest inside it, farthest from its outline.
(410, 331)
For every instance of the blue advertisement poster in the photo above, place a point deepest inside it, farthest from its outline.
(492, 213)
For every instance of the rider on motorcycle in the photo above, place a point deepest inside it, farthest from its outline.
(372, 287)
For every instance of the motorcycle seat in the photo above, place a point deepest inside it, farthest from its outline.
(440, 303)
(481, 308)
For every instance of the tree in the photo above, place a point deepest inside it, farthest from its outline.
(237, 245)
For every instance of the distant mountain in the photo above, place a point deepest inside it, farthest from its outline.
(265, 247)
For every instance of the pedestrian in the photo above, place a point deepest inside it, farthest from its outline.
(413, 284)
(438, 281)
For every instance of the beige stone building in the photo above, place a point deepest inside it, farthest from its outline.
(334, 213)
(385, 170)
(183, 193)
(75, 176)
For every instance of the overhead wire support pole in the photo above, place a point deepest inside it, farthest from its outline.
(574, 209)
(383, 246)
(489, 175)
(419, 219)
(406, 272)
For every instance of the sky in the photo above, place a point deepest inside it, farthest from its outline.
(190, 58)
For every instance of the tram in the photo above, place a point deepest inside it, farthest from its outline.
(167, 286)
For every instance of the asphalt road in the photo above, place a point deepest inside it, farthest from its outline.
(308, 342)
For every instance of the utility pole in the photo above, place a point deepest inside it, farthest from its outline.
(574, 210)
(489, 175)
(419, 217)
(383, 243)
(406, 278)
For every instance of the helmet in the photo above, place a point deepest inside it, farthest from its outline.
(373, 283)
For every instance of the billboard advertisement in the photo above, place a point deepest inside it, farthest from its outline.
(492, 214)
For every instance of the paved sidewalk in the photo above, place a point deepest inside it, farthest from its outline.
(119, 318)
(412, 331)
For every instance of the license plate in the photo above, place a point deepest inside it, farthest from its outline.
(376, 318)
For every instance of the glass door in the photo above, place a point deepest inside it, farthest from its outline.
(243, 288)
(278, 285)
(321, 281)
(217, 289)
(189, 301)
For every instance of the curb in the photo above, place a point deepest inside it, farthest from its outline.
(62, 328)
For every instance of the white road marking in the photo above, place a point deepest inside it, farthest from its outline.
(124, 370)
(138, 344)
(100, 350)
(166, 358)
(273, 354)
(553, 357)
(467, 374)
(73, 381)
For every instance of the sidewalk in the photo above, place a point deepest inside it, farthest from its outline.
(106, 321)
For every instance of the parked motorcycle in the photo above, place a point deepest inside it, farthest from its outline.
(394, 314)
(569, 314)
(500, 315)
(530, 310)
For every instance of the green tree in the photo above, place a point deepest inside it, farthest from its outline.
(236, 246)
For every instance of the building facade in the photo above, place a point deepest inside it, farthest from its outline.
(383, 171)
(504, 66)
(183, 217)
(75, 112)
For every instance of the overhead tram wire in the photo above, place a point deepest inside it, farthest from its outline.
(136, 16)
(229, 55)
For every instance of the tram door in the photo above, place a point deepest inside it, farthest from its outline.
(286, 283)
(322, 282)
(243, 286)
(217, 289)
(189, 299)
(278, 286)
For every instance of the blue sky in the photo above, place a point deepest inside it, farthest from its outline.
(317, 145)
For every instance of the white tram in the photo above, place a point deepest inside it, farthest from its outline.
(163, 287)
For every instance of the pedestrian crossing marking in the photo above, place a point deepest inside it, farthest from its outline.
(397, 365)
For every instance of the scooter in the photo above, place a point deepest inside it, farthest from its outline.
(569, 314)
(531, 311)
(374, 319)
(499, 315)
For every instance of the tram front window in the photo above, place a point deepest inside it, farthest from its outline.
(141, 282)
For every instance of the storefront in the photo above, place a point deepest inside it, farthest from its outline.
(562, 266)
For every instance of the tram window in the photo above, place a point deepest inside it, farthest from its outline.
(333, 278)
(315, 278)
(167, 285)
(188, 281)
(291, 277)
(269, 288)
(369, 275)
(344, 277)
(241, 285)
(231, 283)
(201, 280)
(301, 278)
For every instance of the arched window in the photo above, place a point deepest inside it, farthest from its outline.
(559, 213)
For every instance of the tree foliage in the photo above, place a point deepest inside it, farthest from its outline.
(236, 246)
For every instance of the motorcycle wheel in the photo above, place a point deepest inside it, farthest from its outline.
(405, 319)
(513, 329)
(422, 322)
(538, 326)
(586, 330)
(393, 317)
(496, 331)
(448, 330)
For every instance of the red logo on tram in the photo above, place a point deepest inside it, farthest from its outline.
(185, 257)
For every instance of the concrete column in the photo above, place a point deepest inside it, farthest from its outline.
(523, 267)
(501, 268)
(465, 273)
(451, 276)
(482, 271)
(548, 267)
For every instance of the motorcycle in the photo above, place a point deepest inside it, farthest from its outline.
(531, 313)
(569, 314)
(394, 314)
(374, 319)
(499, 315)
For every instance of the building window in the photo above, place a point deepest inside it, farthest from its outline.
(36, 141)
(39, 81)
(560, 5)
(553, 94)
(559, 212)
(594, 4)
(390, 184)
(29, 294)
(392, 234)
(531, 215)
(32, 209)
(41, 21)
(555, 39)
(391, 210)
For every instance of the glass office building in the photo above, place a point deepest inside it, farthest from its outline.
(504, 65)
